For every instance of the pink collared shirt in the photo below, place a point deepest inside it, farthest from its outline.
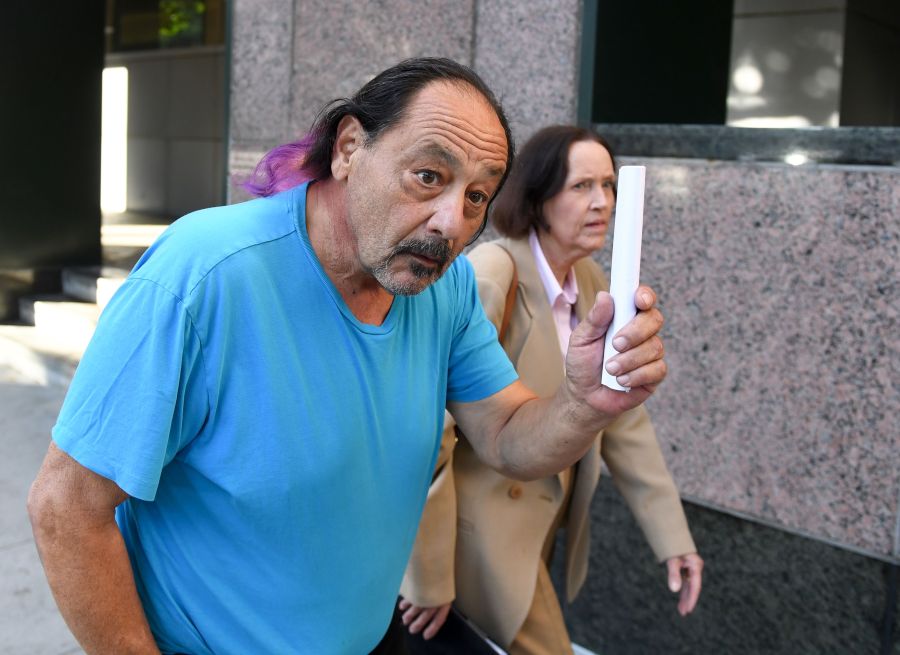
(561, 298)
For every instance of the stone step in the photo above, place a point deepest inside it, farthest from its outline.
(69, 323)
(36, 356)
(93, 284)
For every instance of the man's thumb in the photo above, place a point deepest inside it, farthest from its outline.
(601, 315)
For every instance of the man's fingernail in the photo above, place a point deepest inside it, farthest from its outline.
(646, 298)
(624, 380)
(619, 343)
(613, 367)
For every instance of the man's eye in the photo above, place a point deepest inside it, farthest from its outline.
(427, 177)
(478, 198)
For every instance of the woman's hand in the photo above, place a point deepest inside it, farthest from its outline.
(686, 576)
(430, 618)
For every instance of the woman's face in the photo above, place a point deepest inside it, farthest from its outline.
(579, 214)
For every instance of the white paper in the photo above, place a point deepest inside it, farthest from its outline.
(626, 258)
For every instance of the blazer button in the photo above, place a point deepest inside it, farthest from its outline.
(515, 492)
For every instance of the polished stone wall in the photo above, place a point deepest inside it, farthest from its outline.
(290, 58)
(764, 591)
(779, 286)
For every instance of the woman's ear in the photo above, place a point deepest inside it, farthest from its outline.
(349, 138)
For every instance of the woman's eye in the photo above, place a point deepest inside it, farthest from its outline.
(427, 177)
(478, 198)
(581, 185)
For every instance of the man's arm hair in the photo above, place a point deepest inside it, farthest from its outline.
(72, 511)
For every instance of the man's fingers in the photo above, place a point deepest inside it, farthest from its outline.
(404, 604)
(644, 298)
(649, 351)
(648, 376)
(642, 327)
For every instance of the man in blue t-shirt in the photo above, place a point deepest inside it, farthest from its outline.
(244, 453)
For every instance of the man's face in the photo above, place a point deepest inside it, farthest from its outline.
(419, 193)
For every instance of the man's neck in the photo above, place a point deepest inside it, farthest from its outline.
(335, 245)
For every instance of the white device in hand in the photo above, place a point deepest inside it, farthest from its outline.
(626, 259)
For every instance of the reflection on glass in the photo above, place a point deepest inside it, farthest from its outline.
(786, 66)
(114, 139)
(157, 24)
(821, 63)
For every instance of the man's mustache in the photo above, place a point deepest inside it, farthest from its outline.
(436, 249)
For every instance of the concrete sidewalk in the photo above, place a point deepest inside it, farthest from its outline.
(29, 620)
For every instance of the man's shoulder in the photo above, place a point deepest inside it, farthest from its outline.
(197, 243)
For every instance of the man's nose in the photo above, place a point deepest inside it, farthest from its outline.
(448, 219)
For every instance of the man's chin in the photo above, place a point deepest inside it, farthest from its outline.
(407, 287)
(408, 283)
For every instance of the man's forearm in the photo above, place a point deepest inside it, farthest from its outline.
(90, 575)
(545, 435)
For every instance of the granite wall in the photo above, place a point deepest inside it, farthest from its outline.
(778, 420)
(779, 284)
(289, 58)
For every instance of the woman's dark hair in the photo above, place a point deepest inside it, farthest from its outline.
(541, 168)
(378, 105)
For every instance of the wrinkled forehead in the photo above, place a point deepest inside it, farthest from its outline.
(458, 114)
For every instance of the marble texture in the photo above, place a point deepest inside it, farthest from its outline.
(846, 145)
(764, 591)
(780, 290)
(340, 45)
(260, 73)
(528, 54)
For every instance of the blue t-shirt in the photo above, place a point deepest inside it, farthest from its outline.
(277, 451)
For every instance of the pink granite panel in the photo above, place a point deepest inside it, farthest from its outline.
(780, 289)
(339, 45)
(528, 53)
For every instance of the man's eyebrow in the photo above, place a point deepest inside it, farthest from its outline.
(435, 150)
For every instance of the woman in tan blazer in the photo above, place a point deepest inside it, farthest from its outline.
(485, 541)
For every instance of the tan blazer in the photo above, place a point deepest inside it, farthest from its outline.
(481, 535)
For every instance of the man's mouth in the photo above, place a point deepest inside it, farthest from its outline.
(423, 259)
(431, 254)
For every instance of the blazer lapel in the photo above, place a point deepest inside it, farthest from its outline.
(540, 363)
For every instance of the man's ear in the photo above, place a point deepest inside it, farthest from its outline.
(349, 138)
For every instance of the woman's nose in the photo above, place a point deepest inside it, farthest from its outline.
(598, 198)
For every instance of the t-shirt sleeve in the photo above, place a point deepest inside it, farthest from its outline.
(478, 365)
(139, 394)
